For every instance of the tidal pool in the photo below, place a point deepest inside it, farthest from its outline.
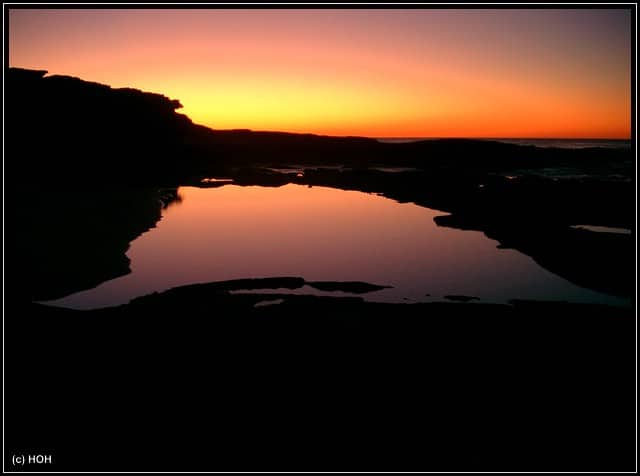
(324, 234)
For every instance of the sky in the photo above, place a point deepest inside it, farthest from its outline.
(543, 73)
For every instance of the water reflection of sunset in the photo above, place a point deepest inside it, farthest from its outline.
(323, 234)
(384, 73)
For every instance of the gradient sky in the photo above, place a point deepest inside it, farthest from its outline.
(381, 73)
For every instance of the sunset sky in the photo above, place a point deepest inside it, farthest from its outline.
(380, 73)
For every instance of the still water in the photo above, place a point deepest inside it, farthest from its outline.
(545, 143)
(324, 234)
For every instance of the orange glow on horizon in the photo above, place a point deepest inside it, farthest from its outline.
(377, 73)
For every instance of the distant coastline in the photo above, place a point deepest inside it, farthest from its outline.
(559, 143)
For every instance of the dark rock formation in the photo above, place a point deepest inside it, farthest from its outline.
(66, 128)
(323, 384)
(356, 287)
(598, 261)
(461, 298)
(65, 239)
(63, 128)
(203, 294)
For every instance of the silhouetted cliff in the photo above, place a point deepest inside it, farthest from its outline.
(64, 128)
(60, 127)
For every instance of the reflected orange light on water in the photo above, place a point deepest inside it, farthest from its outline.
(438, 73)
(322, 234)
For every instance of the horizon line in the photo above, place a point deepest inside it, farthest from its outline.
(245, 129)
(503, 138)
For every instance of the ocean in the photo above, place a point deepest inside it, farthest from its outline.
(559, 143)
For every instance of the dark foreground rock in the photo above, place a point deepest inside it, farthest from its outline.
(66, 239)
(461, 298)
(322, 384)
